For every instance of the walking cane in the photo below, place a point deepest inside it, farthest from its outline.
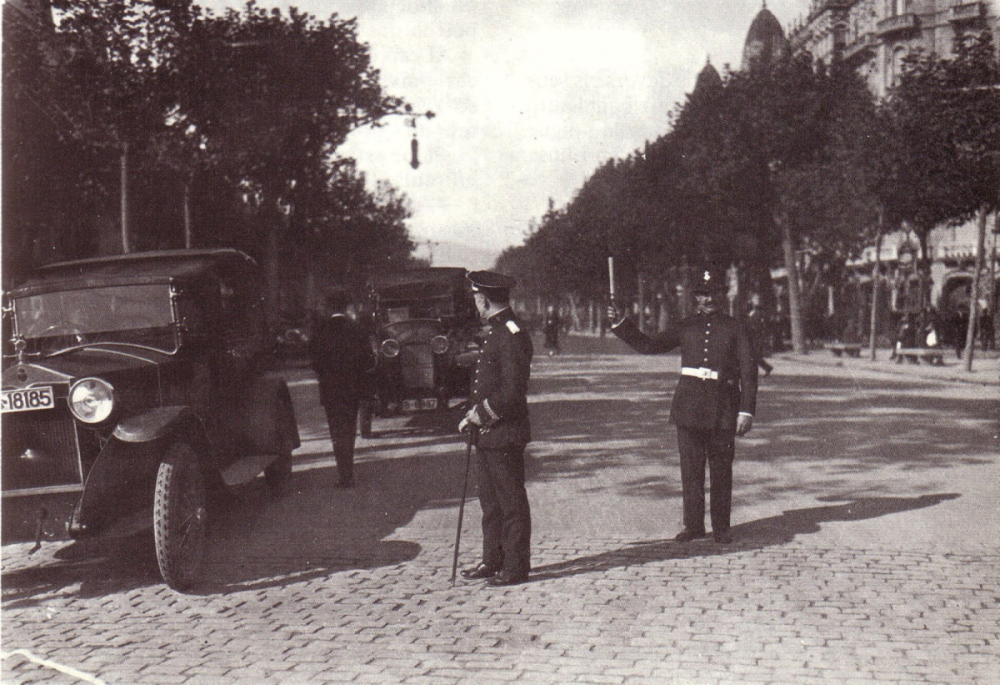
(461, 505)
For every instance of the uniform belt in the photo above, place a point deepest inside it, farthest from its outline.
(701, 372)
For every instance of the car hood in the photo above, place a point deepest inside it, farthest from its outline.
(89, 361)
(413, 330)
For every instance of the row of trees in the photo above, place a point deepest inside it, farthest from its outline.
(764, 163)
(163, 125)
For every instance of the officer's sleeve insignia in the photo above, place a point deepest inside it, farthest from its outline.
(513, 327)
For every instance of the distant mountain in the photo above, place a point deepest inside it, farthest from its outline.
(446, 253)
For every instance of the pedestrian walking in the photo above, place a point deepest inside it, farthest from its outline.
(757, 329)
(552, 324)
(342, 358)
(714, 401)
(499, 413)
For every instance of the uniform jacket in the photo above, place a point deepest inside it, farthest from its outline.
(341, 357)
(717, 342)
(500, 383)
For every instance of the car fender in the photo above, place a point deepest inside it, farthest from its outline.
(270, 416)
(158, 422)
(122, 480)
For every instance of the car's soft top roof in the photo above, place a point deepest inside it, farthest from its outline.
(421, 283)
(162, 266)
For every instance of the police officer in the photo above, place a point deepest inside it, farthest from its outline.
(499, 415)
(714, 400)
(341, 357)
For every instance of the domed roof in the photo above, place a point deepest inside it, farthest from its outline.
(708, 80)
(765, 40)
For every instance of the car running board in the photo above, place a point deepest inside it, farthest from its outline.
(244, 470)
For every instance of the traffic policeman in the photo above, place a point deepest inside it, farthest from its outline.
(714, 401)
(499, 415)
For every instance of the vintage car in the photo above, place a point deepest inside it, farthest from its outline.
(138, 384)
(426, 338)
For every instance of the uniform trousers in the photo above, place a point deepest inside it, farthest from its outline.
(717, 448)
(506, 514)
(342, 418)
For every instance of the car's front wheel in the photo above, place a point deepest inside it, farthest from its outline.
(179, 517)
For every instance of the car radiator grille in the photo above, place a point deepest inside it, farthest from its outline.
(40, 449)
(418, 366)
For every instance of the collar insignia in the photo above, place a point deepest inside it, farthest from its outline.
(513, 327)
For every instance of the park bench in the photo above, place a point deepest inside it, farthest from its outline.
(839, 349)
(915, 355)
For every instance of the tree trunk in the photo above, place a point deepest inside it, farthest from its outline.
(970, 333)
(188, 238)
(794, 303)
(642, 304)
(123, 181)
(876, 282)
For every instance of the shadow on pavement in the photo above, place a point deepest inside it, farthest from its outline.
(844, 430)
(753, 535)
(257, 541)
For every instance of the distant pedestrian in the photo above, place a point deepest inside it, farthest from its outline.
(756, 325)
(342, 359)
(986, 328)
(714, 401)
(552, 326)
(499, 414)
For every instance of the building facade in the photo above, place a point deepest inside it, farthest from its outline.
(875, 37)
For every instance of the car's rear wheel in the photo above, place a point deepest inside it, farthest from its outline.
(276, 475)
(179, 517)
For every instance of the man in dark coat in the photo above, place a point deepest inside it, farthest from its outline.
(499, 417)
(756, 328)
(714, 401)
(552, 324)
(342, 357)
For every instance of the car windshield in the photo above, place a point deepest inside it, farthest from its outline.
(138, 314)
(404, 310)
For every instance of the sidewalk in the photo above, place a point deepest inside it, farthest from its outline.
(985, 365)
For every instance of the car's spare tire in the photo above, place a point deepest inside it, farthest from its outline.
(179, 517)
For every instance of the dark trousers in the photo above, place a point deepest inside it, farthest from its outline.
(506, 514)
(718, 449)
(342, 418)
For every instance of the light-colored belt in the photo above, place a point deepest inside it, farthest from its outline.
(702, 373)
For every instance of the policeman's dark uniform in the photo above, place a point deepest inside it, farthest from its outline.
(341, 356)
(499, 396)
(718, 381)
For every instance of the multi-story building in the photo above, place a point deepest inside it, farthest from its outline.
(875, 37)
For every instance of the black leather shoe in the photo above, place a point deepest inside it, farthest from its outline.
(689, 535)
(478, 572)
(505, 578)
(723, 537)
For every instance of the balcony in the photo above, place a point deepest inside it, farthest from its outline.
(968, 13)
(861, 50)
(901, 23)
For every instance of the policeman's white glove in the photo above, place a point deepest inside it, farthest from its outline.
(615, 313)
(471, 418)
(743, 424)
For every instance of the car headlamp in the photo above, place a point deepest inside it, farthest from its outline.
(91, 400)
(439, 344)
(390, 347)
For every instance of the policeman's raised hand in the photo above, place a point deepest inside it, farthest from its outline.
(743, 424)
(615, 313)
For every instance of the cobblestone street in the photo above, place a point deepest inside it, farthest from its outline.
(866, 526)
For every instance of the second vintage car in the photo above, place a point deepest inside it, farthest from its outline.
(135, 386)
(427, 335)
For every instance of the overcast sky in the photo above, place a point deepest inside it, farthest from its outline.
(530, 95)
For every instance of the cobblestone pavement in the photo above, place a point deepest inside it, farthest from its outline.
(863, 554)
